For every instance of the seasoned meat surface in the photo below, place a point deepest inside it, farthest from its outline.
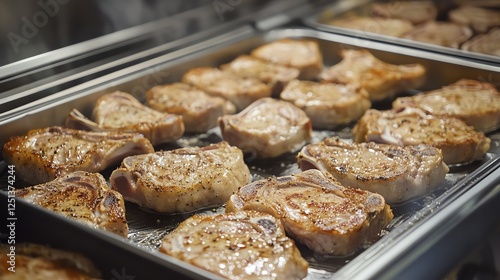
(39, 262)
(120, 111)
(243, 245)
(43, 154)
(302, 54)
(382, 80)
(275, 75)
(415, 11)
(459, 142)
(317, 210)
(446, 34)
(182, 180)
(198, 109)
(397, 173)
(267, 128)
(476, 103)
(328, 105)
(241, 91)
(384, 26)
(82, 196)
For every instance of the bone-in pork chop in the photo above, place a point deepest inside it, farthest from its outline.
(82, 196)
(317, 210)
(328, 105)
(120, 111)
(479, 19)
(384, 26)
(415, 11)
(267, 128)
(241, 91)
(458, 142)
(302, 54)
(199, 110)
(275, 75)
(397, 173)
(474, 102)
(446, 34)
(382, 80)
(182, 180)
(243, 245)
(43, 154)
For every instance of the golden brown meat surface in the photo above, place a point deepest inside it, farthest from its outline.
(82, 196)
(384, 26)
(446, 34)
(243, 245)
(182, 180)
(416, 12)
(397, 173)
(380, 79)
(43, 154)
(120, 111)
(317, 210)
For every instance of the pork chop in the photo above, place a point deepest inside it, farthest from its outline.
(446, 34)
(43, 154)
(182, 180)
(488, 43)
(241, 91)
(243, 245)
(458, 142)
(397, 173)
(199, 110)
(474, 102)
(82, 196)
(275, 75)
(120, 111)
(267, 128)
(302, 54)
(416, 12)
(39, 262)
(328, 105)
(384, 26)
(317, 211)
(382, 80)
(479, 19)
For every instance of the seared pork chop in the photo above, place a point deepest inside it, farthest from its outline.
(275, 75)
(182, 180)
(120, 111)
(479, 19)
(328, 105)
(267, 128)
(397, 173)
(302, 54)
(241, 91)
(39, 262)
(488, 43)
(446, 34)
(382, 80)
(384, 26)
(316, 210)
(416, 12)
(43, 154)
(459, 142)
(243, 245)
(474, 102)
(82, 196)
(199, 110)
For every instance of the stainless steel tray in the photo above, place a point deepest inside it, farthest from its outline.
(147, 229)
(343, 8)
